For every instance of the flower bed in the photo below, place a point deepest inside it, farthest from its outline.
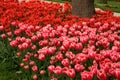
(53, 44)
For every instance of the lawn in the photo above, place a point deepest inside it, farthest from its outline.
(112, 5)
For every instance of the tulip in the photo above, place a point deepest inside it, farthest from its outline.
(117, 73)
(58, 70)
(34, 38)
(32, 63)
(42, 72)
(26, 67)
(71, 73)
(79, 68)
(86, 75)
(34, 68)
(65, 62)
(59, 56)
(13, 43)
(3, 36)
(22, 64)
(1, 28)
(25, 46)
(35, 77)
(101, 74)
(51, 68)
(18, 55)
(41, 57)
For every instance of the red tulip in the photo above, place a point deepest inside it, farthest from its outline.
(66, 44)
(79, 67)
(35, 77)
(17, 32)
(117, 73)
(25, 46)
(18, 55)
(13, 43)
(58, 70)
(26, 67)
(59, 56)
(9, 34)
(62, 48)
(37, 28)
(35, 69)
(3, 36)
(35, 55)
(23, 39)
(33, 47)
(51, 50)
(71, 73)
(32, 63)
(39, 35)
(1, 28)
(34, 38)
(65, 62)
(42, 72)
(72, 45)
(25, 60)
(20, 47)
(101, 74)
(28, 41)
(41, 57)
(78, 46)
(51, 68)
(86, 75)
(22, 64)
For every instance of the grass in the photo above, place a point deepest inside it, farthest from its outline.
(5, 73)
(112, 5)
(9, 73)
(8, 66)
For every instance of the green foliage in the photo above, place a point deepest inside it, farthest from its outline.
(8, 62)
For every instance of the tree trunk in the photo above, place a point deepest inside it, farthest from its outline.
(83, 8)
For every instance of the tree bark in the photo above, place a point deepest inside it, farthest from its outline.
(83, 8)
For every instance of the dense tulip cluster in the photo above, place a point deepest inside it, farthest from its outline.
(64, 46)
(35, 13)
(69, 50)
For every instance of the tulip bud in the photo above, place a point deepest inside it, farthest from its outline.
(86, 75)
(101, 74)
(1, 28)
(32, 63)
(51, 68)
(35, 77)
(35, 69)
(79, 67)
(26, 67)
(117, 73)
(41, 57)
(18, 55)
(71, 73)
(65, 62)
